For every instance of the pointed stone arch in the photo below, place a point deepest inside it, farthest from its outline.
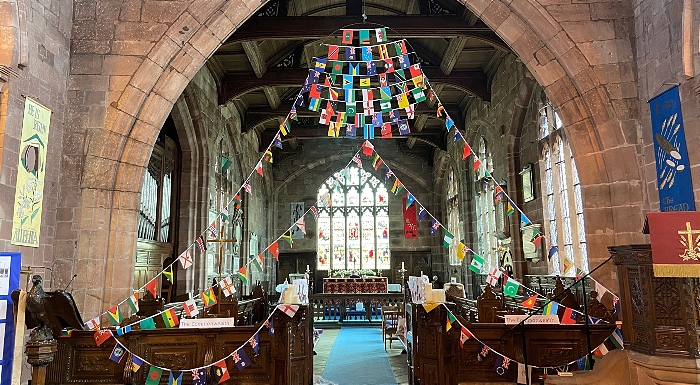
(575, 76)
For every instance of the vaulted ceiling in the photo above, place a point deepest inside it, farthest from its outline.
(262, 66)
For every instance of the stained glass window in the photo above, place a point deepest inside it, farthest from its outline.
(486, 209)
(563, 209)
(353, 232)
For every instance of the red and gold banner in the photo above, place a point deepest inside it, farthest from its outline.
(675, 243)
(410, 221)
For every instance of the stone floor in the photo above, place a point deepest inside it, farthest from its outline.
(396, 359)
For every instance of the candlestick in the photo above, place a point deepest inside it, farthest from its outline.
(307, 268)
(402, 265)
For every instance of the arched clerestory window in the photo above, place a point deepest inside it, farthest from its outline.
(485, 207)
(353, 232)
(563, 204)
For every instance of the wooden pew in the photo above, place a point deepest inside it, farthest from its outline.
(286, 358)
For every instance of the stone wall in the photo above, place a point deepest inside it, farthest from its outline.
(34, 62)
(659, 27)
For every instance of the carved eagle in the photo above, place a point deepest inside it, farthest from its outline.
(48, 313)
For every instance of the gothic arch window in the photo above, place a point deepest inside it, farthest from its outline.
(353, 231)
(453, 223)
(485, 207)
(563, 205)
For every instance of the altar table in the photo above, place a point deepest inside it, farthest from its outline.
(355, 285)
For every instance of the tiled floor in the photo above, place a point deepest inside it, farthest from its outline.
(325, 344)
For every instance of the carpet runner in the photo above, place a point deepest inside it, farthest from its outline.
(358, 358)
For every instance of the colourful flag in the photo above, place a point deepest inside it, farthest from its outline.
(550, 308)
(400, 47)
(170, 318)
(220, 372)
(617, 340)
(154, 374)
(333, 51)
(168, 273)
(247, 187)
(274, 249)
(240, 358)
(175, 380)
(133, 303)
(243, 275)
(227, 286)
(225, 164)
(511, 287)
(147, 324)
(185, 259)
(510, 210)
(450, 319)
(136, 363)
(386, 130)
(364, 36)
(347, 36)
(209, 298)
(288, 238)
(288, 309)
(102, 335)
(278, 138)
(435, 225)
(404, 128)
(501, 365)
(350, 53)
(409, 200)
(199, 376)
(477, 264)
(381, 34)
(93, 324)
(115, 315)
(202, 244)
(320, 65)
(268, 156)
(301, 224)
(464, 335)
(530, 302)
(601, 350)
(237, 201)
(421, 212)
(477, 163)
(569, 317)
(398, 186)
(568, 264)
(270, 326)
(467, 151)
(190, 307)
(494, 275)
(524, 221)
(254, 342)
(285, 126)
(462, 251)
(259, 169)
(314, 210)
(258, 262)
(447, 240)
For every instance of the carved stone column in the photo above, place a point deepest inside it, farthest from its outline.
(39, 355)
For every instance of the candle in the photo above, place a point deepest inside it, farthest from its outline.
(401, 265)
(307, 268)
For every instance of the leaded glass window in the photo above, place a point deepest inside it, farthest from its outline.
(485, 207)
(353, 232)
(563, 203)
(453, 223)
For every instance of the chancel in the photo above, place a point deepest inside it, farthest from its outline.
(349, 192)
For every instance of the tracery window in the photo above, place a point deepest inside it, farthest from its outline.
(353, 233)
(485, 207)
(453, 223)
(563, 204)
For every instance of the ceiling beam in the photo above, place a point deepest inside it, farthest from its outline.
(272, 96)
(255, 57)
(408, 26)
(451, 55)
(234, 85)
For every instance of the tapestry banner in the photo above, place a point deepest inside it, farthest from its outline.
(29, 189)
(672, 167)
(675, 243)
(410, 221)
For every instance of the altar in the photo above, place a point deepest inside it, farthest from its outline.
(355, 285)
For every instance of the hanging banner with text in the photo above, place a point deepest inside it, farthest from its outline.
(672, 167)
(675, 243)
(29, 189)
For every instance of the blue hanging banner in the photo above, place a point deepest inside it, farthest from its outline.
(672, 167)
(10, 265)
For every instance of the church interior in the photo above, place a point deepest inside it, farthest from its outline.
(349, 192)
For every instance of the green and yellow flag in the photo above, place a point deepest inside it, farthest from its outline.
(170, 318)
(243, 275)
(450, 319)
(209, 298)
(168, 273)
(115, 315)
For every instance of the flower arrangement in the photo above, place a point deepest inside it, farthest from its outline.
(347, 273)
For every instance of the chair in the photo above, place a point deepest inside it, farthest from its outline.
(390, 324)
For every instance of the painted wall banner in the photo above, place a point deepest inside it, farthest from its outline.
(29, 190)
(672, 167)
(675, 243)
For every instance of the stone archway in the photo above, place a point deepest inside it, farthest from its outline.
(576, 77)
